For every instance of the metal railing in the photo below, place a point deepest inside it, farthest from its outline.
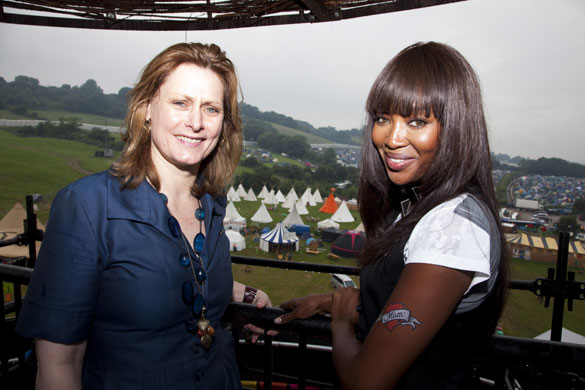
(508, 363)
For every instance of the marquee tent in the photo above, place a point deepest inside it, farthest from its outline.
(327, 223)
(261, 215)
(279, 240)
(329, 206)
(233, 220)
(342, 214)
(331, 234)
(348, 244)
(237, 241)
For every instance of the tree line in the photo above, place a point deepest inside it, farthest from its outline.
(543, 166)
(25, 94)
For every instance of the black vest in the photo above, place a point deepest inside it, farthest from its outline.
(446, 362)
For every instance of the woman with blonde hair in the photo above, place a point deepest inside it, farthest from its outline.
(134, 273)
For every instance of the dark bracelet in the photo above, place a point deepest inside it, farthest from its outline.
(249, 294)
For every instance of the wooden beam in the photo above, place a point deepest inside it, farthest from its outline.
(319, 10)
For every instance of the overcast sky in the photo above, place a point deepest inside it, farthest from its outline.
(529, 54)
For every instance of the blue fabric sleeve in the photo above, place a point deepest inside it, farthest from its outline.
(60, 300)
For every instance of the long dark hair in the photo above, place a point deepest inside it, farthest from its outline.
(427, 78)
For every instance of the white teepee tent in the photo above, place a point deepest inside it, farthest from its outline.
(280, 197)
(342, 214)
(270, 198)
(300, 206)
(233, 220)
(308, 198)
(261, 215)
(234, 197)
(317, 196)
(293, 218)
(263, 193)
(241, 191)
(288, 203)
(250, 196)
(292, 195)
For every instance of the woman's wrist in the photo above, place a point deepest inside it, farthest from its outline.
(249, 294)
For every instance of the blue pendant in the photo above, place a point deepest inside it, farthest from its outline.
(198, 242)
(198, 305)
(184, 260)
(174, 227)
(200, 214)
(164, 197)
(200, 275)
(188, 293)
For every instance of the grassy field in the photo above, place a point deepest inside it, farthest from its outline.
(41, 165)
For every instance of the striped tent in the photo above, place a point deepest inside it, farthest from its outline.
(279, 239)
(539, 248)
(575, 247)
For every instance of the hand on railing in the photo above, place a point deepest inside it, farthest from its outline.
(261, 300)
(305, 307)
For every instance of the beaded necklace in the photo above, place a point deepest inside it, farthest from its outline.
(193, 292)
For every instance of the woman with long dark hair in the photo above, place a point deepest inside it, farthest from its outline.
(434, 266)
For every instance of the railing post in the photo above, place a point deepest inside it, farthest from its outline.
(268, 364)
(30, 230)
(560, 279)
(302, 360)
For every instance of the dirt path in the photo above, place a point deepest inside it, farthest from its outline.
(74, 164)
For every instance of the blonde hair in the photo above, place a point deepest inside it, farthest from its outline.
(136, 164)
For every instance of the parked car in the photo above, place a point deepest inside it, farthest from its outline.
(341, 280)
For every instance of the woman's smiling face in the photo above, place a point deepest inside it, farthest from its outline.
(186, 117)
(406, 145)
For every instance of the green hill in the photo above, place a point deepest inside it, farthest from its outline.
(42, 166)
(311, 138)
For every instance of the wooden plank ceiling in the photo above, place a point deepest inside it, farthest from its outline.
(194, 15)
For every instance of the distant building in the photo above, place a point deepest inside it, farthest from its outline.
(527, 204)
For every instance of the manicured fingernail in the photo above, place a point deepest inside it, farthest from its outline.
(278, 320)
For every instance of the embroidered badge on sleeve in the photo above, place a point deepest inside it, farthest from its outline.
(397, 314)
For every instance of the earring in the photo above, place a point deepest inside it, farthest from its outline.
(147, 126)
